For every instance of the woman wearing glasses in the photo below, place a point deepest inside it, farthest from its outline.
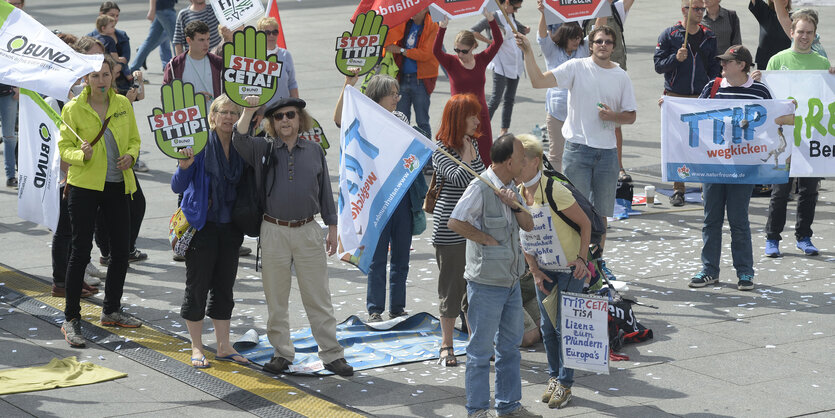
(466, 72)
(208, 182)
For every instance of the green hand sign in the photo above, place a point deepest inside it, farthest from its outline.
(317, 135)
(247, 70)
(181, 123)
(363, 46)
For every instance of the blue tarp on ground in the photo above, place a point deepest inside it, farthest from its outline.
(367, 346)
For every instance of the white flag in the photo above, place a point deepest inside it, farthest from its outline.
(31, 56)
(381, 157)
(38, 161)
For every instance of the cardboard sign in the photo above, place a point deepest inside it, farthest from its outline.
(235, 13)
(181, 122)
(363, 46)
(584, 332)
(542, 241)
(577, 10)
(317, 135)
(247, 70)
(454, 9)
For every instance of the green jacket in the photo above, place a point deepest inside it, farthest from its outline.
(79, 116)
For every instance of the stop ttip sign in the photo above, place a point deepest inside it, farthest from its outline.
(575, 10)
(459, 8)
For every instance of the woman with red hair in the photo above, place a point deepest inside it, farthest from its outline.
(459, 128)
(466, 72)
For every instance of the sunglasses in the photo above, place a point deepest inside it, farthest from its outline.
(696, 9)
(604, 42)
(271, 32)
(291, 114)
(462, 51)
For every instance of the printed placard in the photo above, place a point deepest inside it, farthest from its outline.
(235, 13)
(363, 46)
(247, 70)
(181, 122)
(584, 332)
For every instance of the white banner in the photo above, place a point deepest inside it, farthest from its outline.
(584, 332)
(381, 157)
(724, 141)
(235, 13)
(38, 161)
(31, 56)
(813, 135)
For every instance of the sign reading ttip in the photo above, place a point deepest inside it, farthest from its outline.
(576, 10)
(724, 141)
(454, 9)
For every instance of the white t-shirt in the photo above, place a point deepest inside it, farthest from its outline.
(589, 84)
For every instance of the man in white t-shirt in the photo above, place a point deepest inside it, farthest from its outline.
(600, 97)
(197, 66)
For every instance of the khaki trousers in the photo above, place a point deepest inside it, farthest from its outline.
(303, 248)
(556, 142)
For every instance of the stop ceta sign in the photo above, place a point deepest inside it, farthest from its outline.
(459, 8)
(575, 10)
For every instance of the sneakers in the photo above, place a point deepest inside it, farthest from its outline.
(552, 386)
(677, 199)
(93, 271)
(393, 315)
(91, 289)
(746, 282)
(244, 251)
(276, 365)
(606, 272)
(91, 280)
(340, 367)
(119, 319)
(560, 397)
(104, 260)
(12, 183)
(805, 245)
(72, 333)
(702, 279)
(375, 317)
(61, 292)
(481, 413)
(178, 257)
(772, 248)
(521, 412)
(140, 167)
(136, 255)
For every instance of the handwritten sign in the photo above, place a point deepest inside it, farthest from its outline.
(584, 332)
(542, 240)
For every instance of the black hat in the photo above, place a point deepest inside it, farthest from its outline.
(284, 102)
(738, 53)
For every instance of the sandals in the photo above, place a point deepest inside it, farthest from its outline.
(231, 359)
(447, 359)
(204, 364)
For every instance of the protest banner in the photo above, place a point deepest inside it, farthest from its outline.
(724, 141)
(317, 135)
(558, 11)
(363, 46)
(813, 153)
(32, 56)
(247, 70)
(38, 162)
(584, 331)
(235, 13)
(394, 12)
(272, 11)
(181, 122)
(381, 157)
(542, 240)
(455, 9)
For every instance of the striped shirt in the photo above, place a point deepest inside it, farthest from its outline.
(187, 16)
(750, 90)
(455, 179)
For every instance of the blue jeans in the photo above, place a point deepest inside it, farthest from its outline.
(161, 34)
(413, 93)
(495, 317)
(398, 232)
(504, 91)
(734, 198)
(551, 338)
(594, 172)
(8, 117)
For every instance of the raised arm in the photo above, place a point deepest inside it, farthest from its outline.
(349, 80)
(539, 80)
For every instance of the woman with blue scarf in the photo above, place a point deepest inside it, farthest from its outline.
(208, 181)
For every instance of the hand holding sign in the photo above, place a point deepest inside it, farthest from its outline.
(362, 47)
(181, 122)
(247, 69)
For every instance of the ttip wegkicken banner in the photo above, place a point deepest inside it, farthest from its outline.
(381, 157)
(39, 163)
(724, 141)
(813, 136)
(32, 57)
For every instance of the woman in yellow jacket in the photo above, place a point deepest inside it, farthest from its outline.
(100, 176)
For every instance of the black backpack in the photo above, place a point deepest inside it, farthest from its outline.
(598, 226)
(248, 211)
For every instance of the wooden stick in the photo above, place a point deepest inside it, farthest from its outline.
(471, 171)
(686, 23)
(510, 22)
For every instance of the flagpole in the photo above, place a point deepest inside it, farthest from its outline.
(478, 176)
(686, 23)
(509, 22)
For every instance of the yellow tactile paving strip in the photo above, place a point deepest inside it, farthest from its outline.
(245, 378)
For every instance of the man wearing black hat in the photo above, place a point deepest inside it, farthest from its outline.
(297, 187)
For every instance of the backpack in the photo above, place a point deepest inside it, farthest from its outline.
(624, 328)
(598, 226)
(248, 211)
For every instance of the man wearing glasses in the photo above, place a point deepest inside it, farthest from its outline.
(686, 68)
(600, 97)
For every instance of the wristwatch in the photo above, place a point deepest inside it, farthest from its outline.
(402, 51)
